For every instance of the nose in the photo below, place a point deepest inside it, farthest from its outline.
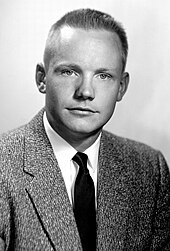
(85, 89)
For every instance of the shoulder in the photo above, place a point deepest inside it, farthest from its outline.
(11, 148)
(15, 138)
(12, 139)
(128, 144)
(130, 148)
(136, 156)
(11, 153)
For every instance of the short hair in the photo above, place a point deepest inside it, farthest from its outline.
(89, 19)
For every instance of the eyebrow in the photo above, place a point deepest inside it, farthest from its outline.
(104, 70)
(67, 65)
(78, 68)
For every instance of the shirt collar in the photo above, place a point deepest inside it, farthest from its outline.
(63, 151)
(63, 148)
(92, 153)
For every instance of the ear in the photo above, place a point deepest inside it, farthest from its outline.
(123, 86)
(40, 78)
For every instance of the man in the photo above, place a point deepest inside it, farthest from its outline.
(66, 184)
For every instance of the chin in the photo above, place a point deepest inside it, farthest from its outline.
(82, 130)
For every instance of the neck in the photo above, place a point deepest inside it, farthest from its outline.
(80, 142)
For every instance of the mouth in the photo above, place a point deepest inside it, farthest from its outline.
(82, 110)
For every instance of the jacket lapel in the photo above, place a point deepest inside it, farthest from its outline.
(46, 189)
(114, 196)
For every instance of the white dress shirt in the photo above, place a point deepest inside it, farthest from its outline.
(64, 153)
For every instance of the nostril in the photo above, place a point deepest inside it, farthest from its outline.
(83, 95)
(85, 91)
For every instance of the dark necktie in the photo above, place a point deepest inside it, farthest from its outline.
(84, 204)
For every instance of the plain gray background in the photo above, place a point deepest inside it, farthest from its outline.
(143, 114)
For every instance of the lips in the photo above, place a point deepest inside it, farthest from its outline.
(81, 110)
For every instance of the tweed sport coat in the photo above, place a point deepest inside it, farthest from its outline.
(133, 195)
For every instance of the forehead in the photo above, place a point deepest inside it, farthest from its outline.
(80, 44)
(67, 34)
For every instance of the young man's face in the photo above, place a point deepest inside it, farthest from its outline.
(84, 81)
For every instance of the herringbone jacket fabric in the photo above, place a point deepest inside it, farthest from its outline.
(133, 195)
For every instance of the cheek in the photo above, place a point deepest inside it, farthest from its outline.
(107, 100)
(107, 107)
(54, 92)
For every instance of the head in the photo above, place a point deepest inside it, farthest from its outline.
(83, 75)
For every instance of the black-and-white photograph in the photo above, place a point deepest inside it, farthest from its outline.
(84, 132)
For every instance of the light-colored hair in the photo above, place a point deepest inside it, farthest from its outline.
(87, 19)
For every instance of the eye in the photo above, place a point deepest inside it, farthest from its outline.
(105, 76)
(67, 72)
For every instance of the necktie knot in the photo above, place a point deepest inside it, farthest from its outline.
(81, 159)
